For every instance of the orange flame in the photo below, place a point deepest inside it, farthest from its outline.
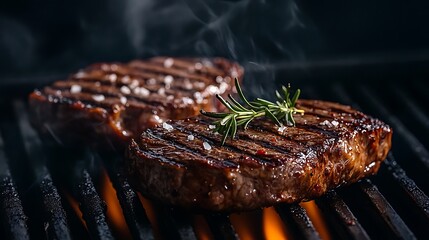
(273, 225)
(75, 206)
(201, 228)
(114, 210)
(317, 219)
(247, 225)
(151, 214)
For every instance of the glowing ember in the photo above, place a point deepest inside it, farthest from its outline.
(201, 228)
(150, 211)
(247, 225)
(75, 206)
(316, 218)
(273, 225)
(114, 211)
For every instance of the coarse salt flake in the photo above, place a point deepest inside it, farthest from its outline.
(213, 89)
(125, 90)
(326, 123)
(207, 146)
(187, 100)
(219, 79)
(151, 81)
(98, 97)
(199, 84)
(167, 126)
(141, 91)
(191, 137)
(335, 123)
(113, 77)
(207, 63)
(134, 83)
(170, 97)
(75, 89)
(198, 97)
(168, 79)
(168, 62)
(198, 66)
(80, 74)
(212, 126)
(281, 129)
(187, 84)
(126, 79)
(123, 100)
(161, 91)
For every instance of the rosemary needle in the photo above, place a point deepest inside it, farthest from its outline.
(281, 112)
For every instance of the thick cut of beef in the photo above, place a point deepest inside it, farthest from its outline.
(107, 104)
(183, 162)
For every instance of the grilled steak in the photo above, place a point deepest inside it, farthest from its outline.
(107, 104)
(182, 162)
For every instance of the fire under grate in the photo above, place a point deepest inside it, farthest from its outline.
(52, 193)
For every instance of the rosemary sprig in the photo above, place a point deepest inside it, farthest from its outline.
(241, 115)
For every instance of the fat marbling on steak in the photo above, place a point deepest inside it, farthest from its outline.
(107, 104)
(183, 162)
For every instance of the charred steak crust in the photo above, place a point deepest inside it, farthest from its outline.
(330, 146)
(108, 103)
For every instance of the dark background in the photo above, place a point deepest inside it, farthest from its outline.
(50, 36)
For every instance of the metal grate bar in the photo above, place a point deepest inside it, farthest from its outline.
(407, 199)
(390, 217)
(13, 217)
(340, 216)
(166, 225)
(297, 219)
(56, 226)
(132, 208)
(419, 198)
(342, 95)
(384, 210)
(220, 226)
(415, 110)
(416, 146)
(183, 222)
(93, 208)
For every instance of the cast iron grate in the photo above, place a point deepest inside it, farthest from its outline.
(38, 181)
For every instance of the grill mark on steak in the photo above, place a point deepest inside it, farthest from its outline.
(134, 74)
(176, 86)
(135, 96)
(196, 152)
(230, 149)
(152, 99)
(272, 157)
(188, 63)
(170, 71)
(305, 161)
(295, 131)
(153, 155)
(267, 141)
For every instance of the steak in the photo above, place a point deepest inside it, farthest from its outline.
(106, 104)
(183, 162)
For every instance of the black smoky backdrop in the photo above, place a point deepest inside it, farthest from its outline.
(281, 39)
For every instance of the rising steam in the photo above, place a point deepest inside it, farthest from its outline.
(255, 33)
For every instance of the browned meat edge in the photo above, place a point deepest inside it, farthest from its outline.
(331, 145)
(117, 101)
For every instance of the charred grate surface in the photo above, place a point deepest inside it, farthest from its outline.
(340, 217)
(393, 204)
(296, 216)
(13, 219)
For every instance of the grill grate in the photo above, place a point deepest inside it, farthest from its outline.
(35, 194)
